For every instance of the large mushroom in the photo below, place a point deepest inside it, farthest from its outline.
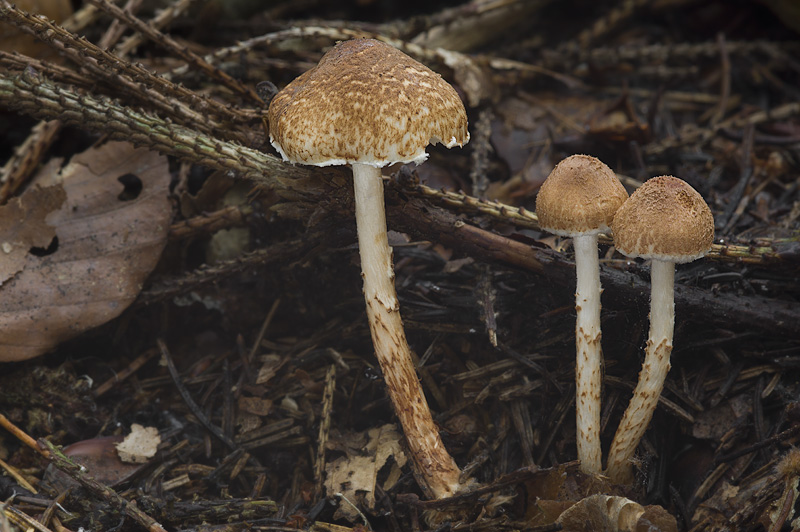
(667, 221)
(579, 199)
(369, 105)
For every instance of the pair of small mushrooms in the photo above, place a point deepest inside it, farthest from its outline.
(369, 105)
(665, 220)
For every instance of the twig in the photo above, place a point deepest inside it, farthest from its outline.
(27, 157)
(772, 440)
(663, 53)
(609, 22)
(78, 472)
(12, 471)
(22, 520)
(30, 153)
(115, 30)
(15, 61)
(101, 63)
(102, 491)
(187, 398)
(725, 80)
(34, 95)
(263, 330)
(481, 150)
(280, 253)
(696, 136)
(210, 222)
(736, 196)
(132, 368)
(22, 436)
(324, 428)
(764, 252)
(185, 104)
(162, 19)
(183, 52)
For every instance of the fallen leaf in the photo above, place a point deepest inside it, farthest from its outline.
(23, 226)
(99, 457)
(354, 476)
(255, 405)
(140, 445)
(111, 230)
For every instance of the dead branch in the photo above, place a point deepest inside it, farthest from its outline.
(32, 94)
(168, 98)
(306, 187)
(161, 20)
(621, 289)
(183, 52)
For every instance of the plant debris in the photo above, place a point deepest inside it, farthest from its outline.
(110, 213)
(162, 267)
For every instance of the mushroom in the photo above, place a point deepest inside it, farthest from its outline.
(579, 199)
(667, 221)
(369, 105)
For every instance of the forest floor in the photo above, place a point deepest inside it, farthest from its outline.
(163, 268)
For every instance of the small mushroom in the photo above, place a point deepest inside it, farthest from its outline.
(667, 221)
(579, 199)
(369, 105)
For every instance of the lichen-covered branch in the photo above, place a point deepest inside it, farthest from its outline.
(763, 251)
(33, 95)
(305, 188)
(36, 96)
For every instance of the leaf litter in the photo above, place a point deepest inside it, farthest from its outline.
(620, 109)
(107, 245)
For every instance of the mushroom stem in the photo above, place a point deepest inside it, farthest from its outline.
(434, 468)
(651, 379)
(588, 368)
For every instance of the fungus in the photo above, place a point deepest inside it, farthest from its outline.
(369, 105)
(667, 221)
(579, 199)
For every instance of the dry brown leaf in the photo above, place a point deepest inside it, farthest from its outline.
(255, 405)
(99, 457)
(23, 226)
(140, 445)
(110, 237)
(354, 476)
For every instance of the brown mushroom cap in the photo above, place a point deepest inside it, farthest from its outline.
(579, 197)
(664, 219)
(365, 102)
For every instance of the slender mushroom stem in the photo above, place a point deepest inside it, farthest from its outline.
(588, 369)
(654, 372)
(434, 468)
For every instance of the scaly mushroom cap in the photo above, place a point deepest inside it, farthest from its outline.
(579, 197)
(365, 102)
(664, 219)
